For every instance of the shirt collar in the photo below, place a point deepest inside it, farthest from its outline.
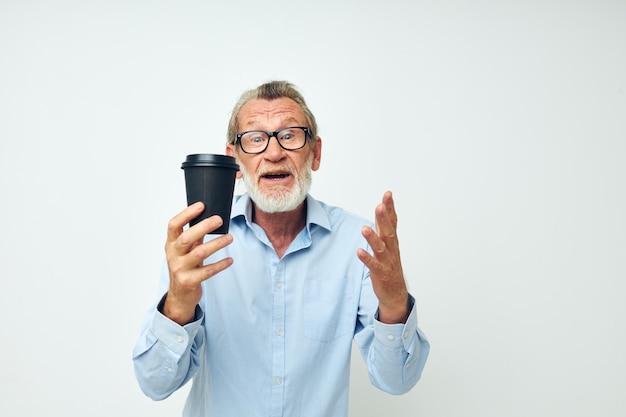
(316, 215)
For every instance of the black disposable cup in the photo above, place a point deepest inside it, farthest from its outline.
(210, 178)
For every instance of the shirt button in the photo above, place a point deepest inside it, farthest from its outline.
(405, 334)
(180, 339)
(279, 285)
(391, 337)
(170, 370)
(278, 332)
(278, 381)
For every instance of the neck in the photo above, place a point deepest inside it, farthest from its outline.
(281, 228)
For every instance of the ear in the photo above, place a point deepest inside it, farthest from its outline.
(317, 154)
(230, 151)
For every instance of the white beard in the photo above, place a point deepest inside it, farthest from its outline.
(280, 199)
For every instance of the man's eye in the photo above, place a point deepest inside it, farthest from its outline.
(257, 139)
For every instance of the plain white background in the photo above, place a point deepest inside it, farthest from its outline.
(499, 125)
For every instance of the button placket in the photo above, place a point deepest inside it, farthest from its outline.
(277, 269)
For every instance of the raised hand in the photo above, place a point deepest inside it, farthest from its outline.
(385, 265)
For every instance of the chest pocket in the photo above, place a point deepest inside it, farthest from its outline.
(329, 310)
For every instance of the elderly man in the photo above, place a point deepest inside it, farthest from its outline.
(263, 318)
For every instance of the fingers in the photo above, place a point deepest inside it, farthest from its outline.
(385, 256)
(187, 278)
(180, 241)
(391, 209)
(195, 257)
(375, 242)
(196, 234)
(385, 238)
(175, 226)
(383, 262)
(186, 252)
(386, 217)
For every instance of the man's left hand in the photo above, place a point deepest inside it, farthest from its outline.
(385, 265)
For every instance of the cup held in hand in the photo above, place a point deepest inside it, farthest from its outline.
(210, 178)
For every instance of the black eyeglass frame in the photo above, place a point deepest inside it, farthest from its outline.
(307, 134)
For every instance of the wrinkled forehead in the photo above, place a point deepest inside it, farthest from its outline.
(270, 114)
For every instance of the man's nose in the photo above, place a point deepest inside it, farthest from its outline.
(274, 151)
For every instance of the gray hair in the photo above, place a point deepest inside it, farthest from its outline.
(270, 91)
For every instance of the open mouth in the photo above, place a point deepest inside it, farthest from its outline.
(275, 175)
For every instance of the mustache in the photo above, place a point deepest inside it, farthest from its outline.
(272, 169)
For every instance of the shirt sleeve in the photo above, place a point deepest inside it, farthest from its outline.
(395, 353)
(166, 355)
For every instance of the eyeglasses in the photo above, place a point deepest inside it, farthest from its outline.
(256, 141)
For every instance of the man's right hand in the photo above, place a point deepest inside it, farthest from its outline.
(185, 253)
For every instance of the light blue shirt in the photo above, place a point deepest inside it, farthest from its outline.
(273, 337)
